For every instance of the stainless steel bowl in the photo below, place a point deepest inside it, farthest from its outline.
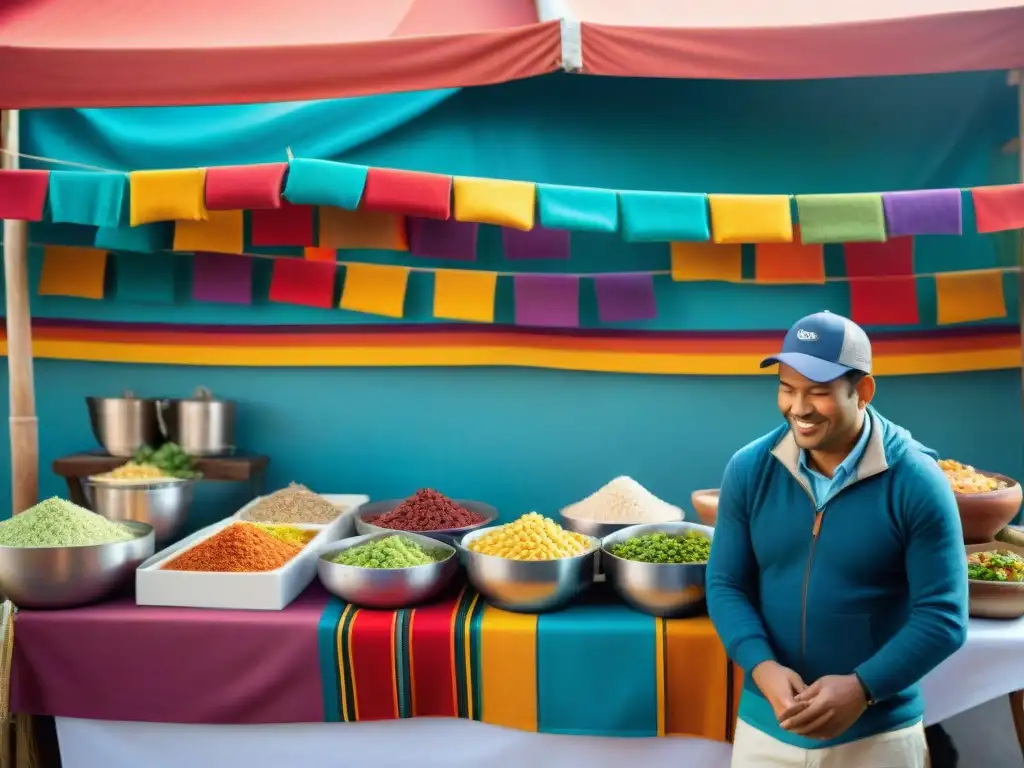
(202, 425)
(598, 531)
(65, 577)
(386, 588)
(122, 425)
(662, 589)
(163, 504)
(532, 586)
(377, 508)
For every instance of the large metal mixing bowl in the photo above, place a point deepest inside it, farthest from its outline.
(163, 504)
(122, 425)
(65, 577)
(387, 588)
(528, 586)
(368, 512)
(662, 589)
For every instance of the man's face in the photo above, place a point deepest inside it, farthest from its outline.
(822, 416)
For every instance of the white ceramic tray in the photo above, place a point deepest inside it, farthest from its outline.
(343, 524)
(262, 591)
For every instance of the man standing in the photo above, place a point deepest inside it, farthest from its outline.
(837, 577)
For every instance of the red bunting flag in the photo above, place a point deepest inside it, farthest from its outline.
(244, 187)
(307, 283)
(884, 301)
(893, 257)
(997, 209)
(23, 194)
(408, 192)
(287, 225)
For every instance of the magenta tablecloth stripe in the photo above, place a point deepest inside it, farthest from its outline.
(119, 661)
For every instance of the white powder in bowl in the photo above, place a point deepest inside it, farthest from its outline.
(623, 500)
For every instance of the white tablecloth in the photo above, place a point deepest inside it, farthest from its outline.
(990, 665)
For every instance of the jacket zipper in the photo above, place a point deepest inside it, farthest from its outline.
(815, 532)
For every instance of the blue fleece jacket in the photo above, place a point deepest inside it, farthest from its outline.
(874, 582)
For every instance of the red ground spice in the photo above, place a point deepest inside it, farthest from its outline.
(239, 548)
(427, 510)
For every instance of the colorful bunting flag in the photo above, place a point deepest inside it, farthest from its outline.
(220, 232)
(376, 289)
(147, 238)
(495, 201)
(178, 195)
(551, 301)
(967, 297)
(625, 298)
(23, 194)
(791, 263)
(289, 225)
(885, 301)
(538, 243)
(362, 230)
(221, 278)
(998, 208)
(244, 187)
(144, 278)
(464, 294)
(698, 262)
(326, 183)
(89, 198)
(307, 283)
(751, 218)
(924, 212)
(320, 254)
(841, 218)
(893, 257)
(664, 216)
(71, 271)
(578, 208)
(437, 239)
(408, 193)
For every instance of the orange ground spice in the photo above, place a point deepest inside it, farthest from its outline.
(239, 548)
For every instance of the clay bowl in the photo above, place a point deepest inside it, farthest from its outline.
(706, 503)
(983, 515)
(995, 599)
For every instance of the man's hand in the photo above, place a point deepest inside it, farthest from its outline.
(780, 685)
(826, 708)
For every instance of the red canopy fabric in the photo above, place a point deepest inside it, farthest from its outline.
(796, 39)
(112, 53)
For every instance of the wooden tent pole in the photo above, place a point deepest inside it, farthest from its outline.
(23, 422)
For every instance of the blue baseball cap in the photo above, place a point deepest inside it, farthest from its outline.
(823, 347)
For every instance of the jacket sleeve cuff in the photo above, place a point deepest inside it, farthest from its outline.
(872, 682)
(751, 652)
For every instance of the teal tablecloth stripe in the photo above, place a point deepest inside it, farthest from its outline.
(327, 649)
(579, 208)
(323, 182)
(596, 671)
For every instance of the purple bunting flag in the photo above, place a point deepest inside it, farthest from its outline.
(443, 239)
(222, 278)
(625, 298)
(924, 212)
(538, 243)
(551, 301)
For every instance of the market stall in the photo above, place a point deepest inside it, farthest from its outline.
(598, 668)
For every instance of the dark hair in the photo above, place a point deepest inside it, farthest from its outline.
(853, 378)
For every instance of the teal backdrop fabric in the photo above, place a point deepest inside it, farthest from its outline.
(480, 433)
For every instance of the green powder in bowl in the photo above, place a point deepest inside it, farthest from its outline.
(390, 552)
(58, 523)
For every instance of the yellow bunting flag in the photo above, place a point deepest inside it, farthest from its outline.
(751, 218)
(464, 294)
(377, 289)
(706, 261)
(495, 201)
(167, 196)
(966, 297)
(362, 230)
(221, 232)
(77, 272)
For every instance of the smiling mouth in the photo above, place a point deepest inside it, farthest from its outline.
(806, 425)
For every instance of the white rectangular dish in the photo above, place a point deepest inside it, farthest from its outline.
(342, 526)
(260, 591)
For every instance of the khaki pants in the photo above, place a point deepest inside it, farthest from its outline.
(904, 748)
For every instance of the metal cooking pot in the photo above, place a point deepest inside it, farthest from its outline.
(202, 425)
(124, 424)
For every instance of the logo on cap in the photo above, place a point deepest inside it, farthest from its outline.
(803, 335)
